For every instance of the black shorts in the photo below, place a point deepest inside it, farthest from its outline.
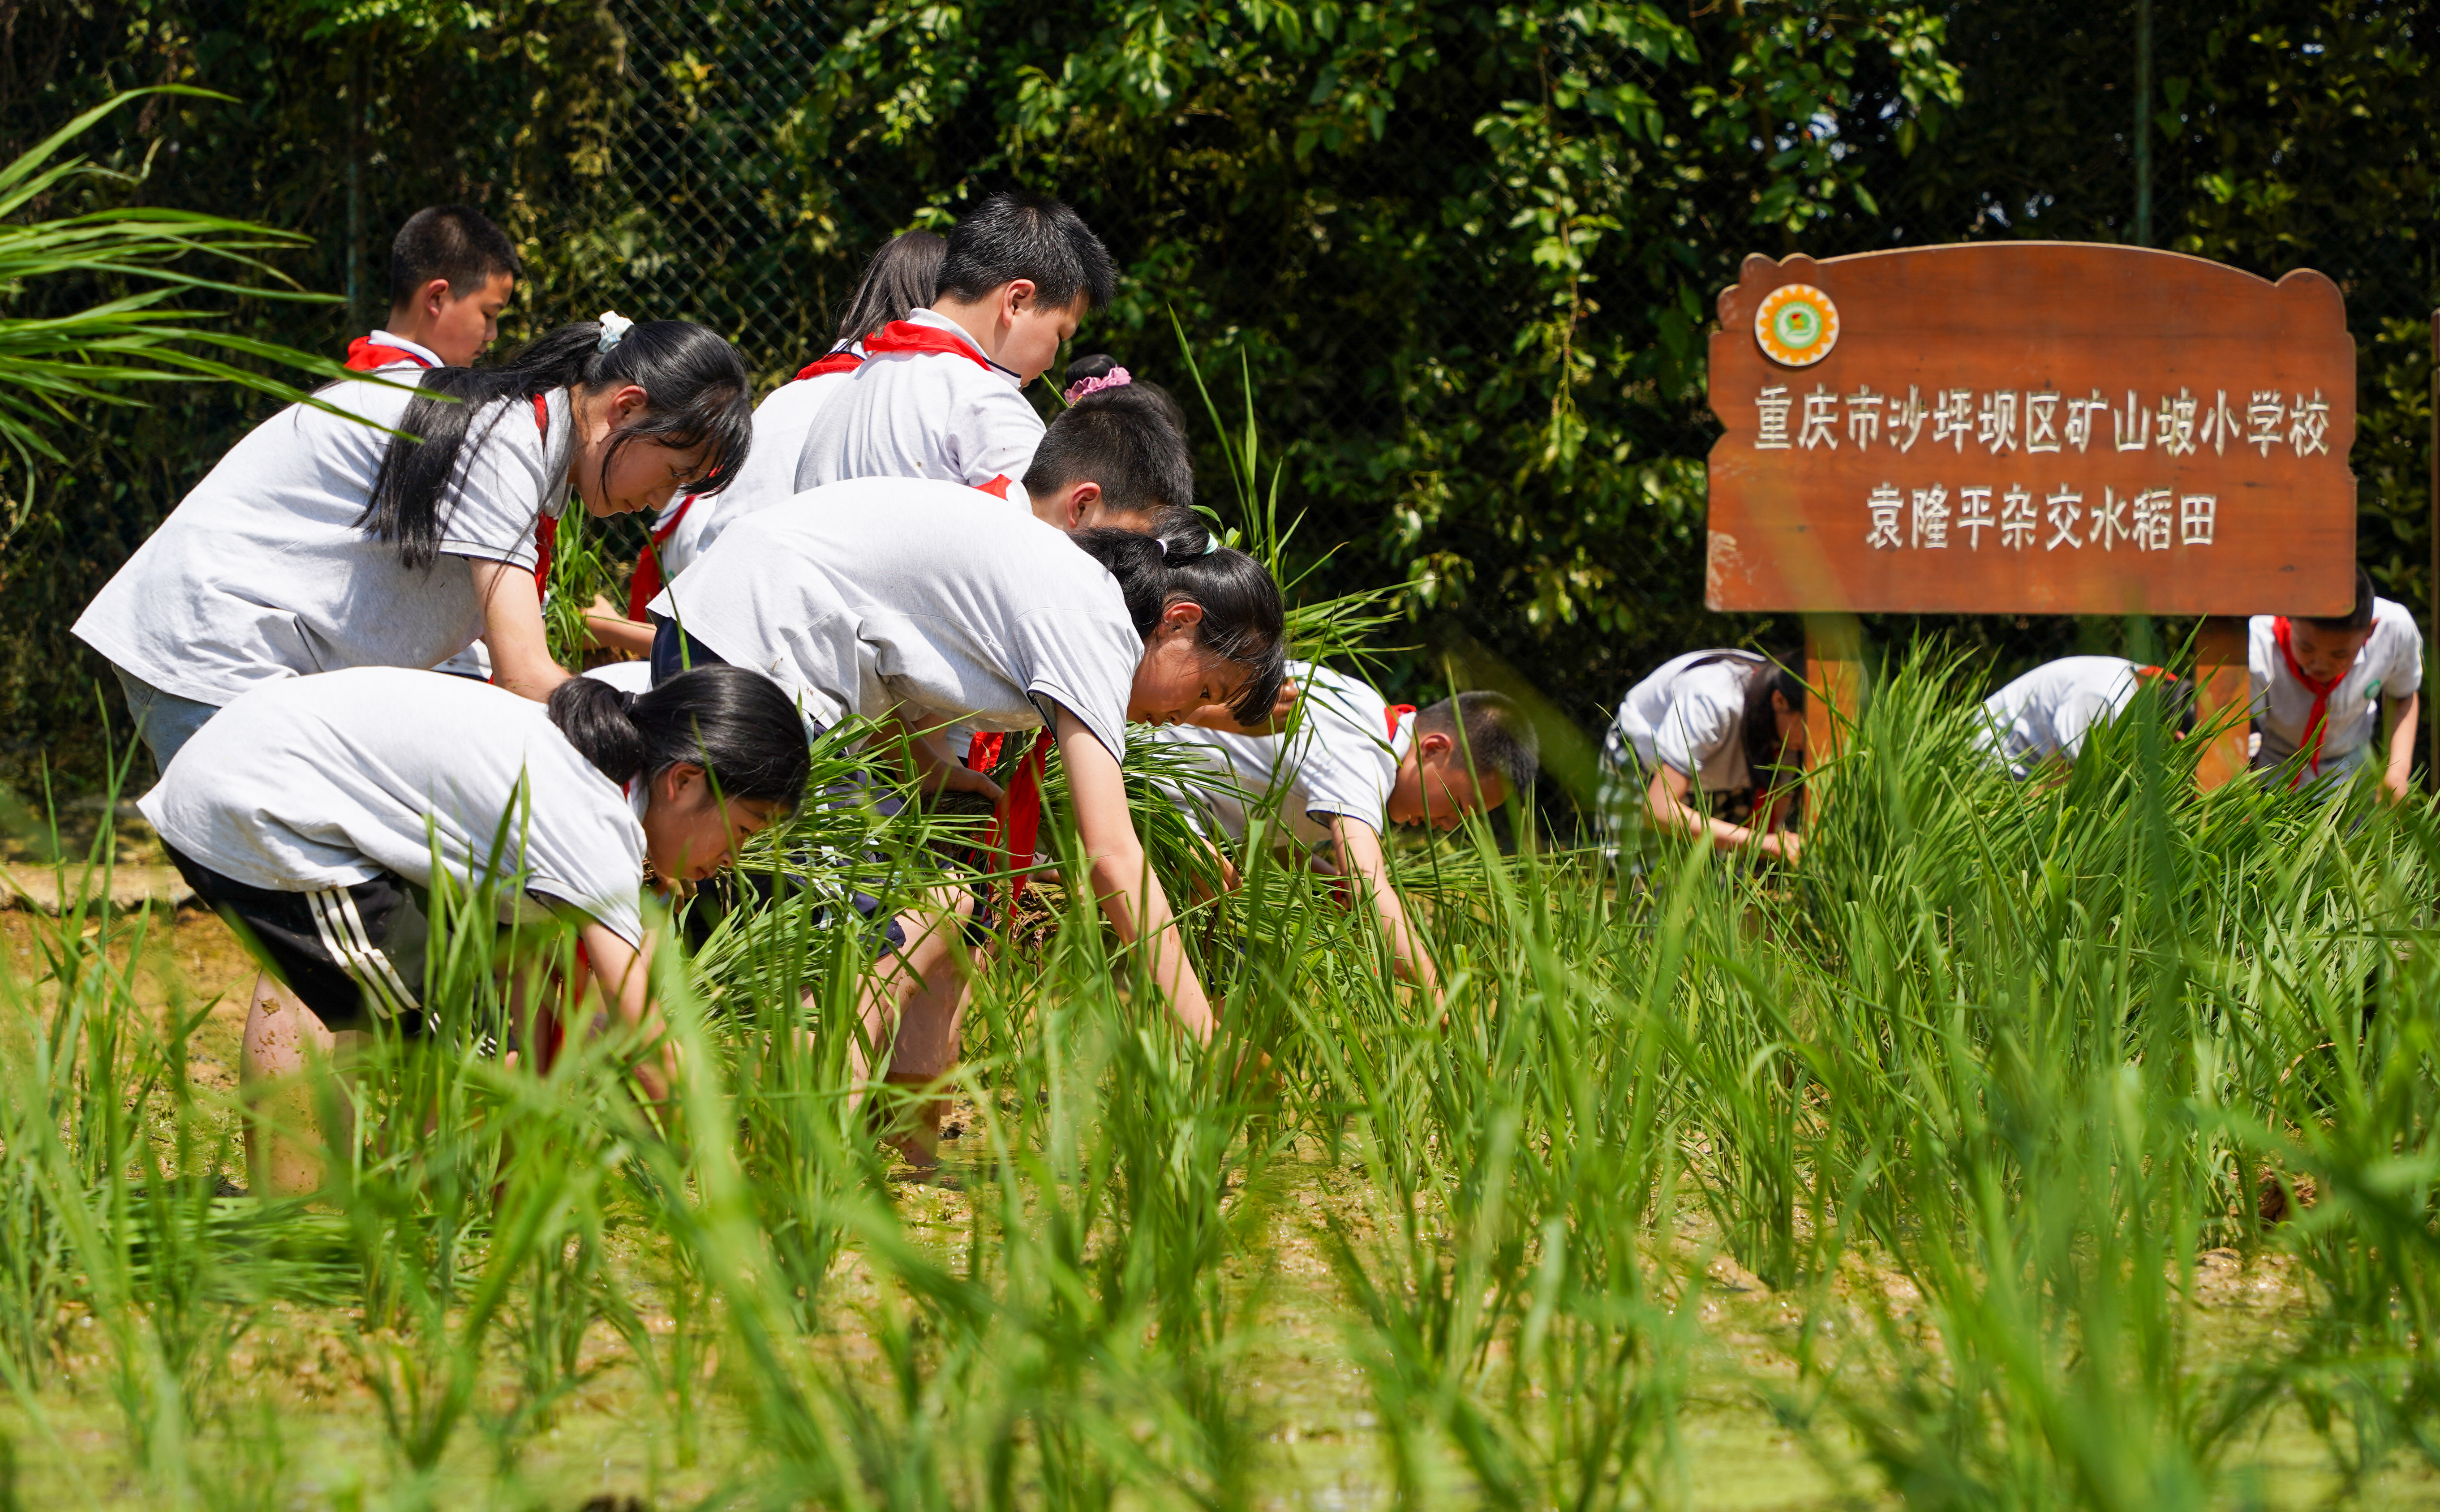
(352, 954)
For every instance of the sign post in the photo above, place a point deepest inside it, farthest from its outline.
(2031, 427)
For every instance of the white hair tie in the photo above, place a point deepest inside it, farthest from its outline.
(614, 329)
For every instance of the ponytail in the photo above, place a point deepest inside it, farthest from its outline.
(699, 396)
(1242, 622)
(736, 725)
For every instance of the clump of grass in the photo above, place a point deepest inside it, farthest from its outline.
(2017, 1055)
(1961, 1107)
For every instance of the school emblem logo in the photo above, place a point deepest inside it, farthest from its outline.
(1797, 325)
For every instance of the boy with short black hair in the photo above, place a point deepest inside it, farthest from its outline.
(1350, 765)
(941, 393)
(2319, 683)
(451, 273)
(1115, 458)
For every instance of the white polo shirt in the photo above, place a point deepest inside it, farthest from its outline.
(782, 424)
(958, 419)
(263, 572)
(2389, 666)
(927, 598)
(1689, 716)
(313, 783)
(1339, 758)
(2049, 710)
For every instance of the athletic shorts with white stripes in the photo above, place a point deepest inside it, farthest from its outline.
(351, 954)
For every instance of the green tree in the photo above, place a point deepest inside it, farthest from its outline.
(505, 108)
(1468, 253)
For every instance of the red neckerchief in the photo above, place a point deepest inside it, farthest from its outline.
(836, 362)
(2317, 720)
(905, 335)
(546, 527)
(365, 355)
(646, 585)
(1018, 822)
(1396, 712)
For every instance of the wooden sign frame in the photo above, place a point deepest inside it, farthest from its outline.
(2031, 427)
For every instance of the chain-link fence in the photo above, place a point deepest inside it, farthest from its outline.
(720, 216)
(717, 231)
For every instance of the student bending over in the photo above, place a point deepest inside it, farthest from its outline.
(2320, 686)
(2042, 718)
(924, 605)
(1117, 459)
(311, 817)
(1728, 725)
(320, 542)
(1351, 765)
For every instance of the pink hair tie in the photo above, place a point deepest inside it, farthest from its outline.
(1085, 387)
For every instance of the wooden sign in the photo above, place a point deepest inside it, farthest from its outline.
(2031, 427)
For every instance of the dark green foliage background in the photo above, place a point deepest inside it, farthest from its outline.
(1467, 252)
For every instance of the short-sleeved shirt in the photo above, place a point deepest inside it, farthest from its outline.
(2049, 710)
(924, 414)
(927, 596)
(782, 422)
(1690, 716)
(263, 572)
(2389, 666)
(1341, 759)
(315, 782)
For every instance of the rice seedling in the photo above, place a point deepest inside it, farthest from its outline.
(1925, 1164)
(1975, 1100)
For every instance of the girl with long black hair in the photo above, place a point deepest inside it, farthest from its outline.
(316, 818)
(399, 525)
(1713, 744)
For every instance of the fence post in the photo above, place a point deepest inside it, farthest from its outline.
(1834, 667)
(2223, 690)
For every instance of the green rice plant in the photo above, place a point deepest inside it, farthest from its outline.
(2013, 1033)
(590, 560)
(2348, 1122)
(1319, 630)
(112, 1165)
(1515, 1307)
(1976, 1099)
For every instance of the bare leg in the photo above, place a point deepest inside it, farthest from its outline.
(284, 1039)
(915, 1007)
